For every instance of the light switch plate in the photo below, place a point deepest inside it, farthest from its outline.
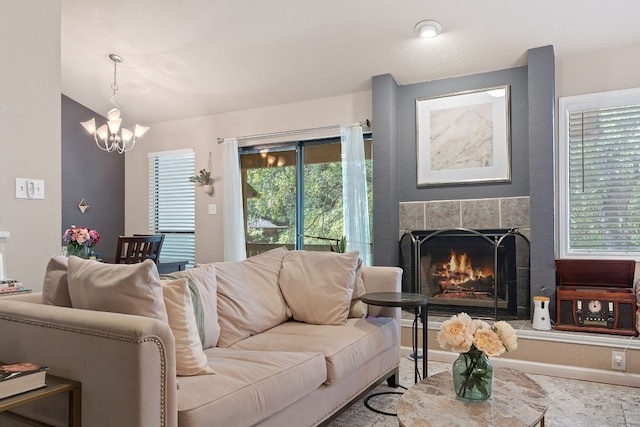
(27, 188)
(21, 188)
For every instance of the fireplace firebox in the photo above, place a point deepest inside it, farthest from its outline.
(482, 272)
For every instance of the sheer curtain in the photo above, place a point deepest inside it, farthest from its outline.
(354, 192)
(232, 212)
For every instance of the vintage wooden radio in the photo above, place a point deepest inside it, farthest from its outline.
(596, 296)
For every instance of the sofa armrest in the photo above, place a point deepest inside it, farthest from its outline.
(383, 279)
(126, 363)
(32, 297)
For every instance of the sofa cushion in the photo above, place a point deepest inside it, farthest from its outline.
(203, 285)
(345, 348)
(55, 288)
(318, 286)
(248, 387)
(249, 299)
(190, 358)
(117, 288)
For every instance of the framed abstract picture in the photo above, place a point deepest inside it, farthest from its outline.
(464, 137)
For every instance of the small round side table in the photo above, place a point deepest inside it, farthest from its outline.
(406, 300)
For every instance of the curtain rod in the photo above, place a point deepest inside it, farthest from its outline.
(364, 123)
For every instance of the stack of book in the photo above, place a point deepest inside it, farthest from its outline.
(21, 377)
(8, 286)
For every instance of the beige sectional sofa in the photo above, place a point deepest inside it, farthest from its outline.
(274, 340)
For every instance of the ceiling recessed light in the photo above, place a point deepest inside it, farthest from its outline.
(428, 29)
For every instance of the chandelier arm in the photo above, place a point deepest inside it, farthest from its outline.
(105, 148)
(131, 144)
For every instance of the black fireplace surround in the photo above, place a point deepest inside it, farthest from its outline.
(484, 273)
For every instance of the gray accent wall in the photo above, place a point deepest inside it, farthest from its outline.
(532, 139)
(92, 174)
(516, 78)
(541, 165)
(385, 154)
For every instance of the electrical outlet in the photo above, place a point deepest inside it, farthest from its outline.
(212, 209)
(619, 360)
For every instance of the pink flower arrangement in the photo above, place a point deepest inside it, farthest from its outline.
(80, 236)
(462, 334)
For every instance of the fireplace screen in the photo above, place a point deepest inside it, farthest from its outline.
(482, 272)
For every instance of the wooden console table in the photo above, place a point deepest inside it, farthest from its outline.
(55, 385)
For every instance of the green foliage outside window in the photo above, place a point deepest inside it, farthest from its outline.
(271, 210)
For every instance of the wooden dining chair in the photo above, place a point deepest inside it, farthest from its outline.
(137, 248)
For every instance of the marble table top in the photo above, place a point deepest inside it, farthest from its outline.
(516, 400)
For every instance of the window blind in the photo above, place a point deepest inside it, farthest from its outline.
(604, 180)
(172, 203)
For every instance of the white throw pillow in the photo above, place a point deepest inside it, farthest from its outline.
(318, 286)
(116, 288)
(190, 358)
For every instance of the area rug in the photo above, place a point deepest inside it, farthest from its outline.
(572, 403)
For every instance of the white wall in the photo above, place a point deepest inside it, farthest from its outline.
(30, 135)
(202, 133)
(598, 72)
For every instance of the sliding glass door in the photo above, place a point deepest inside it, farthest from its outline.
(293, 195)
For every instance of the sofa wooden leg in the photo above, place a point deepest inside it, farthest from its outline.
(393, 380)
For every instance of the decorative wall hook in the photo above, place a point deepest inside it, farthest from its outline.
(83, 206)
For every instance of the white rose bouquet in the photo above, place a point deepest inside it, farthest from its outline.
(475, 338)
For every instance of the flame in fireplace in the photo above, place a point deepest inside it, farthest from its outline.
(459, 270)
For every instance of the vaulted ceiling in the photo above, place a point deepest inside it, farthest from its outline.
(191, 58)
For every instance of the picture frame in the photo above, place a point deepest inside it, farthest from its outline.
(464, 137)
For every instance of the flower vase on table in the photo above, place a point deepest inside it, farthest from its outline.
(80, 240)
(475, 340)
(472, 376)
(81, 251)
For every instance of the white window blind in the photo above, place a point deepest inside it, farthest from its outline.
(172, 203)
(600, 213)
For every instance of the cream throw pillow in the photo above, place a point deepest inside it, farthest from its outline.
(249, 298)
(190, 358)
(318, 286)
(204, 278)
(55, 289)
(117, 288)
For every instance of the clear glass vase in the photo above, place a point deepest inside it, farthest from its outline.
(472, 376)
(81, 251)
